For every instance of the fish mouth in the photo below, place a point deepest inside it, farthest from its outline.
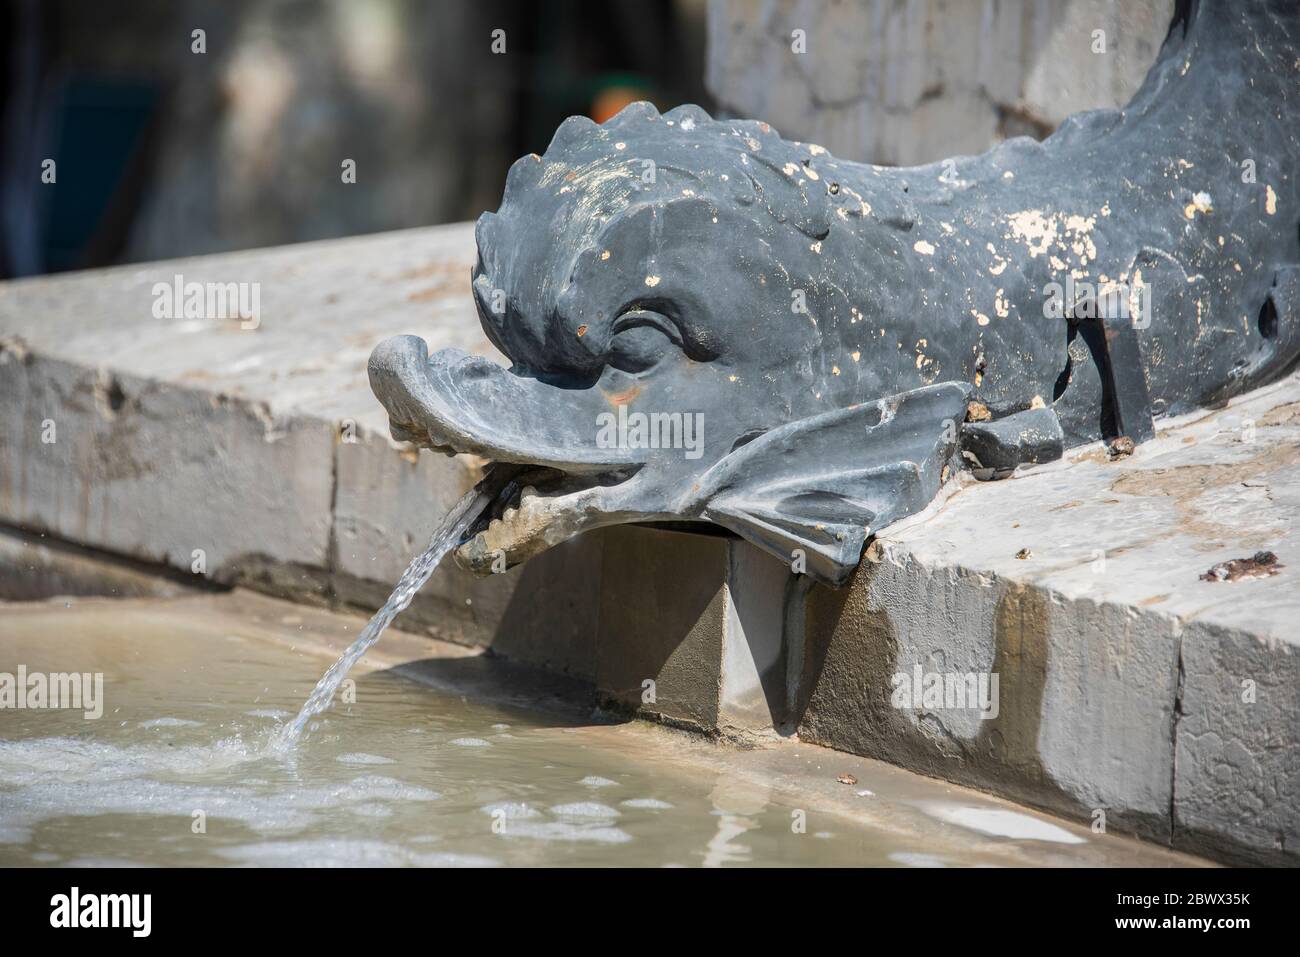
(563, 482)
(809, 489)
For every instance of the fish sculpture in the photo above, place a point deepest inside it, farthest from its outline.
(709, 323)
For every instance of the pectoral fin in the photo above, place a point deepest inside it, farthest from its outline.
(994, 449)
(816, 488)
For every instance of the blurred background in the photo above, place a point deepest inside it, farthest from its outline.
(166, 143)
(162, 151)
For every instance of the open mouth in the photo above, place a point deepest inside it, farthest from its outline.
(559, 481)
(812, 487)
(537, 509)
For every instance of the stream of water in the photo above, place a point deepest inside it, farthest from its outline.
(448, 535)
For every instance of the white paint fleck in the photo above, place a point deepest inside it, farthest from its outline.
(1037, 231)
(1201, 203)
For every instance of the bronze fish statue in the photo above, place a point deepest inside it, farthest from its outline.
(709, 323)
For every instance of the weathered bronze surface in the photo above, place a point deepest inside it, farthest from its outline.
(710, 323)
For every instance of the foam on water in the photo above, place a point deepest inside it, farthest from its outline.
(49, 778)
(357, 757)
(588, 809)
(512, 810)
(580, 822)
(32, 761)
(567, 831)
(374, 787)
(194, 698)
(344, 852)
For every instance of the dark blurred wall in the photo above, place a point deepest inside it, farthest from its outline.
(161, 151)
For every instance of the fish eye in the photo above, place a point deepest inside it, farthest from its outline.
(640, 339)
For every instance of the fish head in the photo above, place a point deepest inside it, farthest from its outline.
(639, 278)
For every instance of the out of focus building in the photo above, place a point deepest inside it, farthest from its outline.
(904, 82)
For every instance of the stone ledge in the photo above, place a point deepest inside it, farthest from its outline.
(258, 455)
(1128, 685)
(37, 568)
(1122, 674)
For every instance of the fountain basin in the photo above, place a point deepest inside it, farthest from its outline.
(168, 431)
(442, 757)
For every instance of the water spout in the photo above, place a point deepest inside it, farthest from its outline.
(460, 522)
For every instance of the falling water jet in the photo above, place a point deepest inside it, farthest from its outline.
(462, 521)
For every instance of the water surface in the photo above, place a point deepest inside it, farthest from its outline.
(179, 771)
(403, 775)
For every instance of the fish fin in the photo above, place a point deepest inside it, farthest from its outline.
(816, 488)
(802, 203)
(1029, 437)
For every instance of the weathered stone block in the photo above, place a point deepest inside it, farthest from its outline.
(171, 475)
(1123, 674)
(1237, 770)
(1079, 719)
(914, 82)
(691, 630)
(260, 443)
